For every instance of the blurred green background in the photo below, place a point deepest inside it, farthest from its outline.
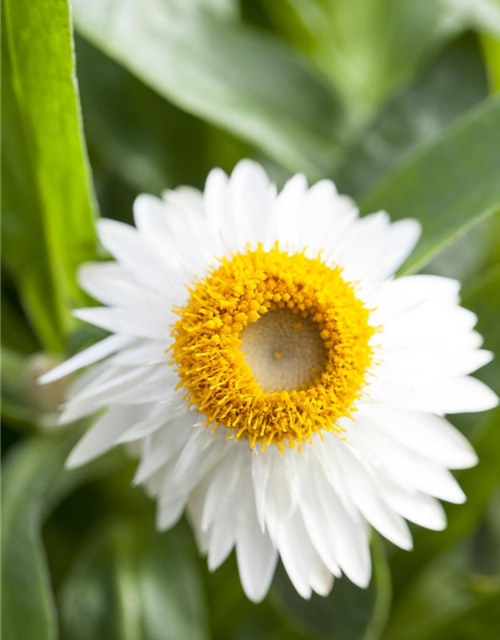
(394, 100)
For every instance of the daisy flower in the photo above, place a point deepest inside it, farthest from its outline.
(274, 378)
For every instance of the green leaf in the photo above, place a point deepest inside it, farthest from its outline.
(449, 87)
(348, 612)
(230, 75)
(449, 185)
(33, 481)
(47, 201)
(133, 583)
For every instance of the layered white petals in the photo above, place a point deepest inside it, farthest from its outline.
(255, 553)
(312, 507)
(93, 354)
(103, 435)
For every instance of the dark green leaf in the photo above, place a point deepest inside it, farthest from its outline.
(233, 76)
(133, 583)
(449, 185)
(46, 196)
(449, 87)
(348, 612)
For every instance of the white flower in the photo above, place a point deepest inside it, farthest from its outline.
(274, 377)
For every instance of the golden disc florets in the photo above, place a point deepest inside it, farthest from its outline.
(218, 378)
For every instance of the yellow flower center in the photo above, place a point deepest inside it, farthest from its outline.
(274, 347)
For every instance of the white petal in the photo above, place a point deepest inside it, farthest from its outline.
(143, 352)
(425, 433)
(147, 426)
(168, 513)
(102, 435)
(220, 488)
(436, 362)
(415, 506)
(339, 540)
(410, 469)
(377, 248)
(452, 395)
(217, 206)
(126, 322)
(111, 285)
(138, 256)
(364, 494)
(261, 470)
(221, 541)
(163, 447)
(93, 354)
(301, 561)
(251, 197)
(177, 229)
(285, 214)
(402, 294)
(255, 554)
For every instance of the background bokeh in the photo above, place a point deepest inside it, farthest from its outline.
(392, 99)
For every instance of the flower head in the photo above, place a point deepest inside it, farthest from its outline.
(273, 376)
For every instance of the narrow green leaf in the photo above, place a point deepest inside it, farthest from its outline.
(449, 186)
(133, 583)
(47, 201)
(348, 612)
(231, 75)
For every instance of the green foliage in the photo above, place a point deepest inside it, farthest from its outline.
(230, 75)
(391, 99)
(131, 583)
(34, 480)
(47, 202)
